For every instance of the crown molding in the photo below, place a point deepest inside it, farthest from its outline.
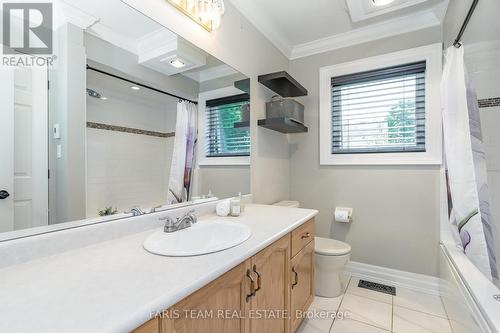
(389, 28)
(74, 16)
(261, 21)
(420, 20)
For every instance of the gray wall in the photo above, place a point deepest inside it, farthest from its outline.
(483, 26)
(67, 108)
(224, 181)
(396, 208)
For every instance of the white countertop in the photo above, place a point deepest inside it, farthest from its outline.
(113, 286)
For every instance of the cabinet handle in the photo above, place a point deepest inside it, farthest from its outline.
(259, 282)
(252, 285)
(306, 235)
(296, 277)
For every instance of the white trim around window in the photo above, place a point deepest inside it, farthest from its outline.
(432, 55)
(202, 158)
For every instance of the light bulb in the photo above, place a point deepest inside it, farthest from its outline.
(205, 8)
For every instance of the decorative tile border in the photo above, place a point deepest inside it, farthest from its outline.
(128, 130)
(489, 102)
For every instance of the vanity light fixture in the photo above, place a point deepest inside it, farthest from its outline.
(177, 63)
(207, 13)
(380, 3)
(135, 88)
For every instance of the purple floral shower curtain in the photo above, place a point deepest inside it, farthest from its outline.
(183, 159)
(466, 165)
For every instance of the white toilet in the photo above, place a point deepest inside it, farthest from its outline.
(331, 257)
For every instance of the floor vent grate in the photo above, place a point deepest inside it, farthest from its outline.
(382, 288)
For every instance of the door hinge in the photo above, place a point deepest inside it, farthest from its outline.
(48, 85)
(48, 173)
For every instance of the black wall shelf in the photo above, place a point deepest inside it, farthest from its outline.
(241, 124)
(283, 84)
(283, 125)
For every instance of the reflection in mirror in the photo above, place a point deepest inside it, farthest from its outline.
(138, 120)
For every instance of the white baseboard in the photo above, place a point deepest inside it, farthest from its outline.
(393, 277)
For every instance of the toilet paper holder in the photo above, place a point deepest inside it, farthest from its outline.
(343, 214)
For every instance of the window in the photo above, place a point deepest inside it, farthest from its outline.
(382, 110)
(379, 111)
(223, 137)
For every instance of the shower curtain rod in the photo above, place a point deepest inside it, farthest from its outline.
(139, 84)
(457, 43)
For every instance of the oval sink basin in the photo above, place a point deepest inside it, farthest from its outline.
(202, 238)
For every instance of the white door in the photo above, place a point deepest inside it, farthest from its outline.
(24, 167)
(7, 149)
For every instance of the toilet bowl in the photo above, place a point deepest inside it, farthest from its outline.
(331, 256)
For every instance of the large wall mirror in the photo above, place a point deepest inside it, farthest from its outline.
(134, 120)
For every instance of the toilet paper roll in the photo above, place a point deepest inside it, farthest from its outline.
(343, 215)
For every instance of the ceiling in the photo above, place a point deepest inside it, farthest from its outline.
(301, 28)
(105, 19)
(110, 88)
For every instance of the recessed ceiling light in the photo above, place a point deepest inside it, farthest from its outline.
(380, 3)
(135, 88)
(177, 63)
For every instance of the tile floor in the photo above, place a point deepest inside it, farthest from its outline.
(374, 312)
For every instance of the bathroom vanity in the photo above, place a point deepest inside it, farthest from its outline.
(276, 283)
(112, 284)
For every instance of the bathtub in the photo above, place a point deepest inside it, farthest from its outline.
(471, 300)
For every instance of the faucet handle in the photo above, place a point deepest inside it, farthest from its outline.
(167, 219)
(192, 214)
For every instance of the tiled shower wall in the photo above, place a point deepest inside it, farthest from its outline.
(483, 65)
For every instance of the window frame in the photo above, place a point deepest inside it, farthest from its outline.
(432, 55)
(218, 160)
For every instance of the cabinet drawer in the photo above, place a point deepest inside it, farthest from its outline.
(302, 283)
(302, 236)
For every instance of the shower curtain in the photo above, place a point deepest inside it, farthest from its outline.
(183, 159)
(468, 194)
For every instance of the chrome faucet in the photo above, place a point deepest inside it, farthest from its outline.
(136, 211)
(183, 222)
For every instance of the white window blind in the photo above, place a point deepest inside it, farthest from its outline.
(223, 138)
(380, 111)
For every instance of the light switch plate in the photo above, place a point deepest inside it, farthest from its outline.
(56, 131)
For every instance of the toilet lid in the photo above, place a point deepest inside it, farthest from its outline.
(331, 247)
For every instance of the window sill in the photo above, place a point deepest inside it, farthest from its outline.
(381, 159)
(221, 161)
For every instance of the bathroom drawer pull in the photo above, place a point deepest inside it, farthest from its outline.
(252, 285)
(306, 235)
(296, 282)
(259, 282)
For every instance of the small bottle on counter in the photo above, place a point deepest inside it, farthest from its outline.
(235, 207)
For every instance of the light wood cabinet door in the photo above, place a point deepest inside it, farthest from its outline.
(302, 283)
(271, 299)
(152, 326)
(218, 307)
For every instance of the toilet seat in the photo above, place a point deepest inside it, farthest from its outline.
(331, 247)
